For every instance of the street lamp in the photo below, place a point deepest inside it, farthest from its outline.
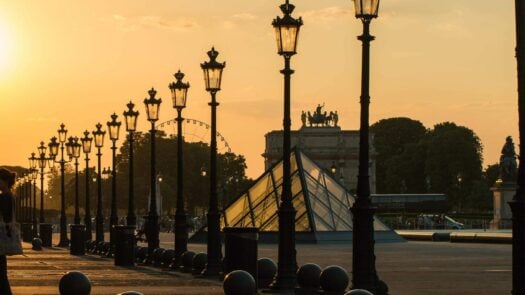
(130, 116)
(212, 79)
(45, 229)
(152, 225)
(53, 151)
(364, 274)
(113, 128)
(73, 151)
(98, 135)
(179, 91)
(33, 174)
(286, 33)
(86, 148)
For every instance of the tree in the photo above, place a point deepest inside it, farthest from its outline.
(453, 163)
(391, 138)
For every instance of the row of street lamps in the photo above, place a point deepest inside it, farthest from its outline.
(364, 274)
(73, 147)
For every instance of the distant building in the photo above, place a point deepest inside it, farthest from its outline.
(333, 149)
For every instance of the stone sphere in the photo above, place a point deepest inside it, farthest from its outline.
(199, 262)
(142, 252)
(130, 293)
(187, 260)
(334, 278)
(37, 244)
(239, 282)
(309, 275)
(358, 292)
(74, 283)
(167, 257)
(266, 270)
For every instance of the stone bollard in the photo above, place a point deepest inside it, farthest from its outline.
(77, 244)
(358, 292)
(167, 258)
(37, 244)
(74, 283)
(46, 234)
(308, 279)
(239, 282)
(266, 270)
(187, 261)
(334, 280)
(199, 263)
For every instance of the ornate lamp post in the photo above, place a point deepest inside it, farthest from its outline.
(33, 175)
(45, 229)
(179, 91)
(152, 225)
(98, 135)
(212, 79)
(130, 116)
(73, 151)
(113, 128)
(86, 148)
(517, 205)
(364, 274)
(53, 151)
(287, 33)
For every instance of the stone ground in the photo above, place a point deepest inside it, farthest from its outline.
(408, 268)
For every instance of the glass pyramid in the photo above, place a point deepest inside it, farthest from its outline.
(322, 204)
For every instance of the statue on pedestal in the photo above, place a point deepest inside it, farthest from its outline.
(320, 118)
(507, 162)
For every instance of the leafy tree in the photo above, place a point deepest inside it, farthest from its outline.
(391, 138)
(453, 162)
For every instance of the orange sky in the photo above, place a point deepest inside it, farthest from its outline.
(79, 61)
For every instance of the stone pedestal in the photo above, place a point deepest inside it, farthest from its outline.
(502, 194)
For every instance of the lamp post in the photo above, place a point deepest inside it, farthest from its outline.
(53, 150)
(42, 163)
(287, 33)
(73, 151)
(98, 135)
(152, 225)
(86, 148)
(517, 205)
(212, 79)
(45, 229)
(33, 174)
(179, 91)
(130, 116)
(364, 274)
(113, 128)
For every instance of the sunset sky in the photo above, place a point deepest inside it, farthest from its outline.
(77, 62)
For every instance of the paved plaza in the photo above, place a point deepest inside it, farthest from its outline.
(408, 268)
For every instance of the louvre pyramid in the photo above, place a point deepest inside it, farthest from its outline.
(322, 205)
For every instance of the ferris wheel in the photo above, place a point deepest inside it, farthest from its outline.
(194, 130)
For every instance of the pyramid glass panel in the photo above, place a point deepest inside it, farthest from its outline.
(321, 203)
(261, 190)
(265, 209)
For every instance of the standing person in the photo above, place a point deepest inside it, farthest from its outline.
(7, 180)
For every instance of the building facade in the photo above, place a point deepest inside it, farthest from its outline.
(333, 149)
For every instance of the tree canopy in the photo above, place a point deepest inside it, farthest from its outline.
(446, 159)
